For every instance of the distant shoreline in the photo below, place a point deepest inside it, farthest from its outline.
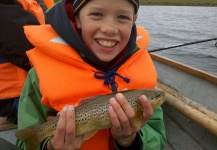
(212, 3)
(178, 5)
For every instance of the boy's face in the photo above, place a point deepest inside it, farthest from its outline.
(106, 26)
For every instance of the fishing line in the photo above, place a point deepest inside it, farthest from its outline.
(183, 44)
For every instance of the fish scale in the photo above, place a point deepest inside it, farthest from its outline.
(91, 116)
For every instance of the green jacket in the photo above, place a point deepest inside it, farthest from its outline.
(32, 112)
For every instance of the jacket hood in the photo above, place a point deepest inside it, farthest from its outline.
(60, 17)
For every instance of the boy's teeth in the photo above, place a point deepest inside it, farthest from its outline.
(107, 43)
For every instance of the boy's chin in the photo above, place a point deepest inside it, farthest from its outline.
(105, 60)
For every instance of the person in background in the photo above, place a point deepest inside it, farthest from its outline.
(91, 47)
(14, 64)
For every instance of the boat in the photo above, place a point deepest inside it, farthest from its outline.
(7, 130)
(190, 110)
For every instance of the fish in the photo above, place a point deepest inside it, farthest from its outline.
(91, 115)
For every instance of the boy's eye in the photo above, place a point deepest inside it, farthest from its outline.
(123, 17)
(96, 14)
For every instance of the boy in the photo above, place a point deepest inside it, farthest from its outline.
(90, 49)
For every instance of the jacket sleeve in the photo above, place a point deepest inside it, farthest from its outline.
(152, 136)
(31, 111)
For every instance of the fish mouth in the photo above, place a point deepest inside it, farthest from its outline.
(162, 100)
(159, 101)
(160, 94)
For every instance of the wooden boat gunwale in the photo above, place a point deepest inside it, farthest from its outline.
(197, 72)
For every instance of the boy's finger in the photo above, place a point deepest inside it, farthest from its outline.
(70, 128)
(112, 114)
(125, 113)
(126, 107)
(148, 111)
(59, 135)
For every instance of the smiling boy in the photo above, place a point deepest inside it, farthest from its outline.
(106, 32)
(89, 49)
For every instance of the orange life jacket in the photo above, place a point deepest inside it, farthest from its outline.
(64, 77)
(33, 7)
(12, 77)
(49, 3)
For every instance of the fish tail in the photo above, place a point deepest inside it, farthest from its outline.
(30, 137)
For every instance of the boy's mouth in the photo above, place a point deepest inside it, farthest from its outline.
(106, 43)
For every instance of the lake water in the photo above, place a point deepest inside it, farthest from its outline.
(172, 25)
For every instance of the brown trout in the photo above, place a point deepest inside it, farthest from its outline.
(91, 116)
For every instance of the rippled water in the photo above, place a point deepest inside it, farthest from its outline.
(172, 25)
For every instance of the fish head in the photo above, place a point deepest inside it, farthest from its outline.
(157, 97)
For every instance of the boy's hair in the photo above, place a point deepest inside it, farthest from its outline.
(78, 4)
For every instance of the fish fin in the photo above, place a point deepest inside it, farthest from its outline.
(32, 144)
(138, 119)
(30, 137)
(89, 135)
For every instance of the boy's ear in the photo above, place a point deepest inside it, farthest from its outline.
(78, 22)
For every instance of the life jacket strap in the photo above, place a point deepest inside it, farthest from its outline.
(109, 78)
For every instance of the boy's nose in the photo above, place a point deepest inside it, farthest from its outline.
(109, 27)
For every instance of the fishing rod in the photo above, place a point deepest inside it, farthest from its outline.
(183, 44)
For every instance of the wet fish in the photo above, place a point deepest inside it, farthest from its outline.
(91, 116)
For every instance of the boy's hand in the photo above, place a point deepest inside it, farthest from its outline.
(121, 113)
(64, 136)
